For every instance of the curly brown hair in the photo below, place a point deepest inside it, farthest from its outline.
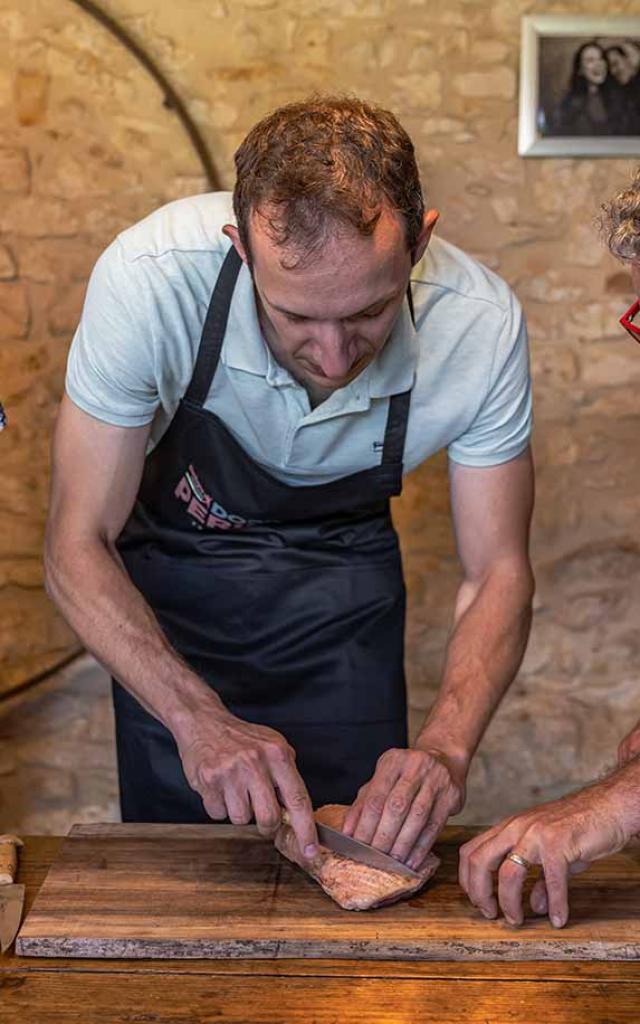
(327, 161)
(620, 221)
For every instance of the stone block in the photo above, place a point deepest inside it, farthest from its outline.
(65, 313)
(421, 58)
(14, 170)
(611, 364)
(56, 260)
(24, 572)
(489, 51)
(31, 96)
(594, 321)
(15, 311)
(8, 268)
(52, 787)
(442, 126)
(551, 287)
(585, 247)
(620, 284)
(36, 217)
(506, 208)
(97, 172)
(500, 83)
(420, 90)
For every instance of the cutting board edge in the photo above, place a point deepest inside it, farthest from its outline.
(261, 949)
(158, 830)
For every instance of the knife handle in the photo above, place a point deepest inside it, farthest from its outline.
(9, 858)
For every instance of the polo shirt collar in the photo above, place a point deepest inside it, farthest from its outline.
(244, 347)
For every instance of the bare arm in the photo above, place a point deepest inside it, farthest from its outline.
(96, 472)
(413, 792)
(235, 766)
(492, 513)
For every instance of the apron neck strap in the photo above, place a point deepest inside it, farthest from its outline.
(214, 328)
(394, 437)
(411, 309)
(398, 416)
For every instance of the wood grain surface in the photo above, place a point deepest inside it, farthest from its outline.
(314, 991)
(250, 999)
(145, 891)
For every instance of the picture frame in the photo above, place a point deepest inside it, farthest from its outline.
(574, 99)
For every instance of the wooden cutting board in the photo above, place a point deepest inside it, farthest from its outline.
(223, 891)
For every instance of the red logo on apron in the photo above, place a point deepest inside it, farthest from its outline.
(202, 508)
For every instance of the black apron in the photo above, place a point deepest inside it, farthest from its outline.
(288, 601)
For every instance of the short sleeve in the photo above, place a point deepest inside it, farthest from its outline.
(502, 427)
(111, 365)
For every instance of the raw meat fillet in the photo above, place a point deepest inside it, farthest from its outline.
(352, 885)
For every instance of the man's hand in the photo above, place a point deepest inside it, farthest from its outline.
(242, 771)
(563, 837)
(629, 746)
(406, 804)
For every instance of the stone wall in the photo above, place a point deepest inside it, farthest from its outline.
(87, 147)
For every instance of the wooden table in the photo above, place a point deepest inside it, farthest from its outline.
(39, 991)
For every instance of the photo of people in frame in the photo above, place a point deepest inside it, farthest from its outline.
(588, 86)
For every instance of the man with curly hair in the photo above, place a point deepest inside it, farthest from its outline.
(252, 375)
(565, 836)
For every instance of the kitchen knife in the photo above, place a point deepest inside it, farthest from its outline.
(362, 852)
(11, 895)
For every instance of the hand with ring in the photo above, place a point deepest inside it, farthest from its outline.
(562, 838)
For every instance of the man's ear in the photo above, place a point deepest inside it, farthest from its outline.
(231, 231)
(429, 222)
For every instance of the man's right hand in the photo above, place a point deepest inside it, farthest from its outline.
(244, 771)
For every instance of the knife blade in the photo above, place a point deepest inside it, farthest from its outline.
(362, 852)
(11, 894)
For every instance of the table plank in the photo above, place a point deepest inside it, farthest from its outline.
(62, 998)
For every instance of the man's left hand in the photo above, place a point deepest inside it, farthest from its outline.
(405, 805)
(564, 837)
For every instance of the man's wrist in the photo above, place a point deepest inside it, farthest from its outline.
(627, 785)
(192, 701)
(434, 740)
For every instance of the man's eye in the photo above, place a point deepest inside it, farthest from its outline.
(296, 319)
(368, 316)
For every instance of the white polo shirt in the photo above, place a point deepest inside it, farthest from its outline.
(133, 354)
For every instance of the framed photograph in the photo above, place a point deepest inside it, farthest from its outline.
(579, 86)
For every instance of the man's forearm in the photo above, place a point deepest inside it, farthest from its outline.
(485, 649)
(99, 601)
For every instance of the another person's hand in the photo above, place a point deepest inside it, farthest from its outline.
(407, 802)
(244, 771)
(563, 837)
(629, 746)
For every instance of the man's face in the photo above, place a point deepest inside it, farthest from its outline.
(328, 318)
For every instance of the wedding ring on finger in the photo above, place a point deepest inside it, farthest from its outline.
(522, 861)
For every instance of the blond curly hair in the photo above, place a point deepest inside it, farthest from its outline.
(620, 221)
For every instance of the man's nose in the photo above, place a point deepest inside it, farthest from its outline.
(332, 351)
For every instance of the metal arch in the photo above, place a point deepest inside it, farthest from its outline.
(172, 100)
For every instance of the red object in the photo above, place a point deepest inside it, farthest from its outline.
(628, 318)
